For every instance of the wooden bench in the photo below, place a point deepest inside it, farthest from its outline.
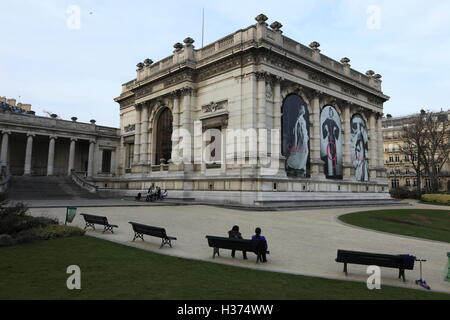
(233, 244)
(141, 229)
(401, 262)
(92, 220)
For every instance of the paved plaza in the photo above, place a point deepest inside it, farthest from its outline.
(300, 242)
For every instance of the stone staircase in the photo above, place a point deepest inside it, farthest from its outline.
(46, 188)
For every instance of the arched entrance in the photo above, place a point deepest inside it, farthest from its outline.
(164, 129)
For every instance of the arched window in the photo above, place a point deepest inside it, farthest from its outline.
(163, 152)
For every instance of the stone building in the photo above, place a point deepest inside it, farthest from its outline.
(47, 146)
(400, 170)
(317, 123)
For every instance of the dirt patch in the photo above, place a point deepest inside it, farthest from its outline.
(409, 223)
(422, 218)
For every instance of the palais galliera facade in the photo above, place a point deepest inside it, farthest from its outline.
(253, 118)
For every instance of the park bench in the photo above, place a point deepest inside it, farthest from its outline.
(401, 262)
(141, 229)
(233, 244)
(92, 220)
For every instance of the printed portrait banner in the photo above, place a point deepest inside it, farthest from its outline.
(360, 148)
(296, 133)
(331, 143)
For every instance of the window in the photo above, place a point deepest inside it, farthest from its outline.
(129, 155)
(106, 161)
(395, 183)
(164, 137)
(408, 182)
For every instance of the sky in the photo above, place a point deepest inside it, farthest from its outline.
(74, 66)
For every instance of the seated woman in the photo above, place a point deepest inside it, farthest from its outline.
(235, 234)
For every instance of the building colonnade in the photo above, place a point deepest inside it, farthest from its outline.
(30, 152)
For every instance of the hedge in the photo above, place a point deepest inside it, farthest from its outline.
(437, 198)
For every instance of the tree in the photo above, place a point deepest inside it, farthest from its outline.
(436, 148)
(426, 143)
(413, 143)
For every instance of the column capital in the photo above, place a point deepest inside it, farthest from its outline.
(92, 141)
(73, 139)
(31, 134)
(53, 137)
(8, 132)
(187, 91)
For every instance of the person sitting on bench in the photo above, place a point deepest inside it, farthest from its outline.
(260, 244)
(138, 197)
(164, 195)
(235, 234)
(158, 193)
(150, 195)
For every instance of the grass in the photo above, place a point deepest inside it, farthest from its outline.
(426, 224)
(112, 271)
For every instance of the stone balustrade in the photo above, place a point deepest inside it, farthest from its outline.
(259, 35)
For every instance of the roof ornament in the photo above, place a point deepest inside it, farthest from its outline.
(276, 26)
(261, 19)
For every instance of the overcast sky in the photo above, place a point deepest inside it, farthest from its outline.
(47, 60)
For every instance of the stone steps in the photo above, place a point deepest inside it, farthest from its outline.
(46, 188)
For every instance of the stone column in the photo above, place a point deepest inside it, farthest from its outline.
(316, 161)
(91, 159)
(28, 154)
(137, 135)
(51, 156)
(277, 104)
(347, 142)
(5, 146)
(261, 114)
(113, 162)
(143, 158)
(373, 147)
(188, 125)
(71, 165)
(380, 141)
(176, 124)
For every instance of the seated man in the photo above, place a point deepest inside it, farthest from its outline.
(138, 197)
(164, 195)
(235, 234)
(260, 244)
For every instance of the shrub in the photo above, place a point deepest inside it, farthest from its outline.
(437, 198)
(26, 236)
(6, 240)
(12, 224)
(57, 231)
(402, 193)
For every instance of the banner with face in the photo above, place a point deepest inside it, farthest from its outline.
(331, 142)
(360, 148)
(296, 132)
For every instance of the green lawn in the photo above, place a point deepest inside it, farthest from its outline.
(427, 224)
(112, 271)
